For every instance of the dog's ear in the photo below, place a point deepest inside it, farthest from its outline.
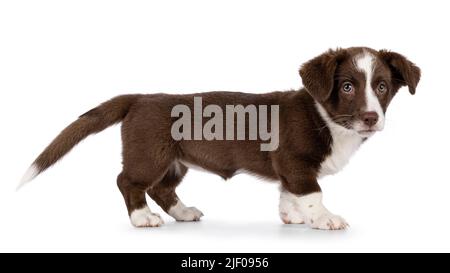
(403, 71)
(318, 74)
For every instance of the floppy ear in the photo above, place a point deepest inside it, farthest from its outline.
(403, 71)
(318, 74)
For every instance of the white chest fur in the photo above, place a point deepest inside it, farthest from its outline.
(344, 144)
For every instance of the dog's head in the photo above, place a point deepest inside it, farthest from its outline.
(354, 86)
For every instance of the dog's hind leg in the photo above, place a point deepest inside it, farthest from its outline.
(134, 194)
(139, 175)
(164, 195)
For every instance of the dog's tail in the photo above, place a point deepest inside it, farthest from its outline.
(93, 121)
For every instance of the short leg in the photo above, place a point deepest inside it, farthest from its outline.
(289, 209)
(145, 218)
(301, 199)
(185, 214)
(134, 195)
(312, 210)
(164, 195)
(148, 151)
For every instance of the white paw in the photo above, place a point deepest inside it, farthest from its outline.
(328, 221)
(188, 214)
(145, 218)
(292, 217)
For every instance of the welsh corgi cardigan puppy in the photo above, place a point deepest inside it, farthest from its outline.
(315, 131)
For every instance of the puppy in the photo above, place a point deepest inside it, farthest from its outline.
(344, 100)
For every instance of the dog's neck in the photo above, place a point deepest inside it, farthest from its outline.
(344, 143)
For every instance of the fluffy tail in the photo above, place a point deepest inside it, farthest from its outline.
(93, 121)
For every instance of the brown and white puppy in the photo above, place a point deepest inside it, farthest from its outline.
(346, 94)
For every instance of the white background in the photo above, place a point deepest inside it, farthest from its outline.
(61, 58)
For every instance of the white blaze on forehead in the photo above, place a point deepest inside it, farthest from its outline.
(366, 64)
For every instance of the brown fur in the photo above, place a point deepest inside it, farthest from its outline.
(91, 122)
(152, 159)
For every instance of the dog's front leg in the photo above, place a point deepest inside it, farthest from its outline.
(301, 202)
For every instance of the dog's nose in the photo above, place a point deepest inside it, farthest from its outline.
(370, 118)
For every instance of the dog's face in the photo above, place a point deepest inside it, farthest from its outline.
(355, 86)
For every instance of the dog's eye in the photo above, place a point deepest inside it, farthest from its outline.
(347, 87)
(382, 87)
